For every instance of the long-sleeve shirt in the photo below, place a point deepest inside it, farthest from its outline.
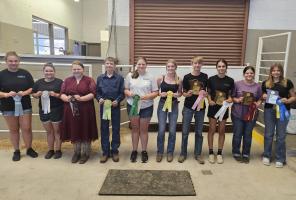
(111, 88)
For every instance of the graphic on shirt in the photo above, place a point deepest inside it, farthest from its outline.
(248, 98)
(220, 97)
(195, 86)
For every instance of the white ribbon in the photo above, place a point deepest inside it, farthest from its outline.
(220, 114)
(45, 102)
(18, 108)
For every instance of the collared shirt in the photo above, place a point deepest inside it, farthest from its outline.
(111, 88)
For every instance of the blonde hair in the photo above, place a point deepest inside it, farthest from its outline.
(11, 53)
(175, 64)
(270, 82)
(197, 59)
(135, 73)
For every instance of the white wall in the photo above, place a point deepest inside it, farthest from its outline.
(63, 12)
(272, 14)
(122, 12)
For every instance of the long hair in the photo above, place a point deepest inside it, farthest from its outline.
(270, 82)
(135, 73)
(175, 64)
(223, 61)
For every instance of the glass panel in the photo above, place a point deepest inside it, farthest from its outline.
(44, 50)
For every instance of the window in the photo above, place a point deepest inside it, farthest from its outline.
(49, 38)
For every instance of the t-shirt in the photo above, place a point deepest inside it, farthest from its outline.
(238, 109)
(283, 91)
(189, 82)
(141, 86)
(224, 85)
(55, 86)
(20, 80)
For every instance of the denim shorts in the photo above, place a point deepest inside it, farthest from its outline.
(144, 113)
(54, 116)
(11, 113)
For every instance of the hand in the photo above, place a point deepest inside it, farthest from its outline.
(144, 97)
(240, 99)
(20, 93)
(176, 95)
(258, 104)
(53, 94)
(284, 100)
(212, 103)
(189, 93)
(10, 94)
(101, 101)
(130, 94)
(77, 97)
(229, 100)
(264, 96)
(163, 94)
(114, 103)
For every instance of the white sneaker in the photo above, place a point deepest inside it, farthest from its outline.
(212, 158)
(279, 165)
(220, 159)
(266, 161)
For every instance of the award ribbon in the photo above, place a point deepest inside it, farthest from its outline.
(222, 110)
(107, 109)
(45, 102)
(282, 110)
(18, 108)
(168, 102)
(252, 110)
(74, 106)
(198, 104)
(135, 106)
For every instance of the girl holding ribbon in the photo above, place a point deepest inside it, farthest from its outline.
(220, 88)
(47, 90)
(15, 88)
(246, 99)
(278, 93)
(194, 91)
(79, 118)
(140, 88)
(170, 89)
(110, 92)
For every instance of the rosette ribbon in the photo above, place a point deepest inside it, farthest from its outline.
(168, 102)
(107, 109)
(198, 104)
(220, 114)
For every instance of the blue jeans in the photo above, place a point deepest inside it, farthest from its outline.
(162, 119)
(272, 125)
(242, 130)
(199, 119)
(105, 133)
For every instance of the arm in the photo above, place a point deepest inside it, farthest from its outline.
(179, 92)
(151, 95)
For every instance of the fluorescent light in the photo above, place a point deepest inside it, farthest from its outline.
(104, 35)
(76, 0)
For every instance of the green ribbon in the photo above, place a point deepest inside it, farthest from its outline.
(107, 109)
(135, 106)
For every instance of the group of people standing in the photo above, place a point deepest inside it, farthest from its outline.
(67, 111)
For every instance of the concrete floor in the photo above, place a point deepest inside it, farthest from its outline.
(32, 179)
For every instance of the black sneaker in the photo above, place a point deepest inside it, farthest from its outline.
(134, 156)
(32, 153)
(238, 158)
(84, 158)
(75, 157)
(58, 154)
(144, 155)
(49, 154)
(246, 160)
(16, 155)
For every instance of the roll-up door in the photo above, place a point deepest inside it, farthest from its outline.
(181, 29)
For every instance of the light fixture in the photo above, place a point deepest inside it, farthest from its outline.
(104, 35)
(76, 0)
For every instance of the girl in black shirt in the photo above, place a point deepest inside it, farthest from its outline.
(15, 88)
(220, 88)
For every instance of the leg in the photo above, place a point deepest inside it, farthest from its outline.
(212, 130)
(50, 134)
(187, 118)
(57, 135)
(173, 117)
(238, 129)
(105, 134)
(13, 126)
(144, 123)
(221, 131)
(135, 124)
(269, 121)
(199, 119)
(115, 129)
(26, 128)
(280, 150)
(247, 138)
(162, 119)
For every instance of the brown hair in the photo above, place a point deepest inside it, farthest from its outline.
(135, 73)
(175, 64)
(111, 59)
(49, 64)
(77, 62)
(223, 61)
(11, 53)
(270, 83)
(198, 59)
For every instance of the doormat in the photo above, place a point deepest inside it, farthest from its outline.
(148, 183)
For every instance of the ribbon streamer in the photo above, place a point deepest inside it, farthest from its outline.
(168, 102)
(45, 102)
(282, 110)
(74, 106)
(252, 110)
(199, 103)
(135, 106)
(18, 108)
(107, 109)
(222, 110)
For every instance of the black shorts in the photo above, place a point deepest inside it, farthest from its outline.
(144, 113)
(212, 110)
(55, 115)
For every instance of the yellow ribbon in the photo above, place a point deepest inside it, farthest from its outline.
(277, 110)
(168, 102)
(107, 109)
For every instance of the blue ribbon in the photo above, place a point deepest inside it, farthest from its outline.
(18, 108)
(284, 113)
